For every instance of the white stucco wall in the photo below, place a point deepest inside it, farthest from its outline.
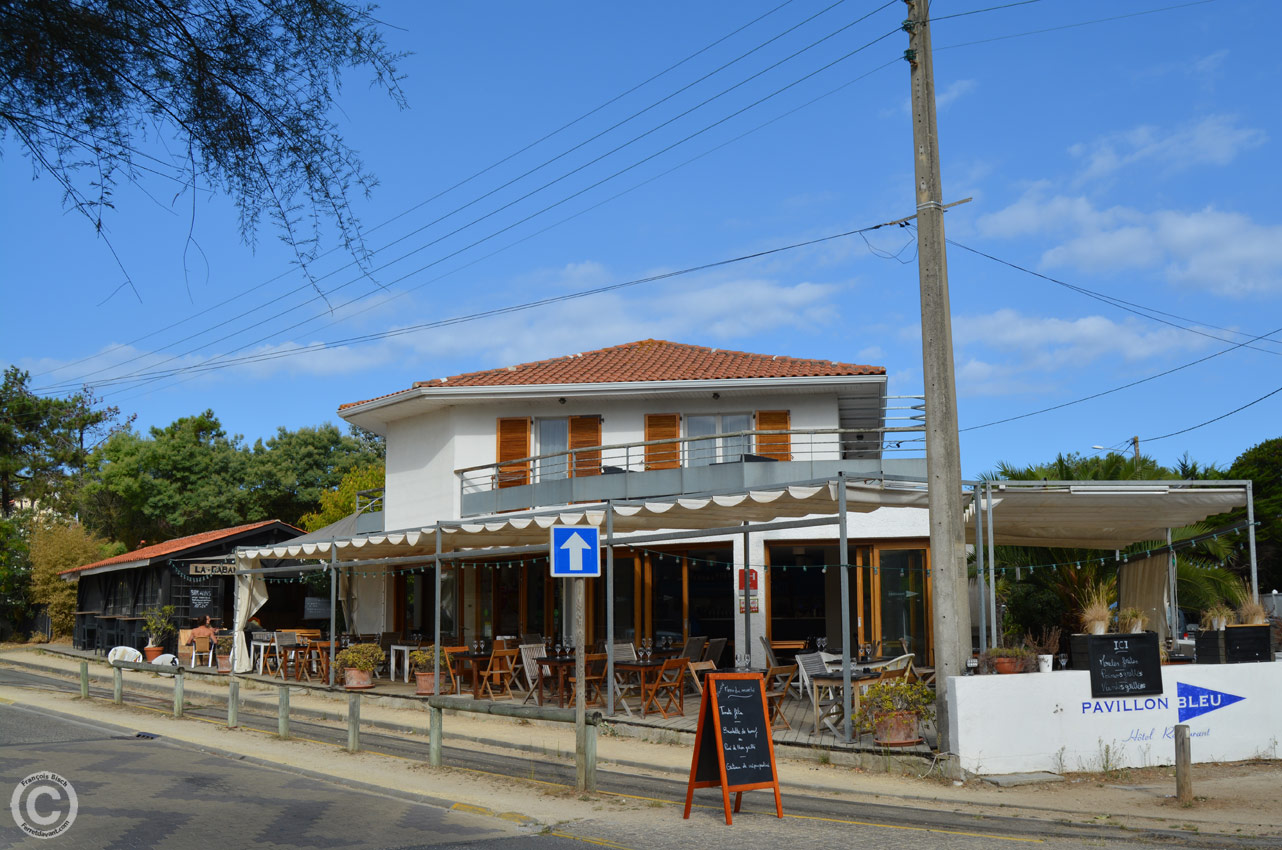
(1048, 721)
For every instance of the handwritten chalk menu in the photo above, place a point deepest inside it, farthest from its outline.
(315, 608)
(206, 600)
(1125, 665)
(733, 748)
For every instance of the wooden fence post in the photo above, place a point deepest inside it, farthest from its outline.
(84, 680)
(233, 704)
(282, 716)
(1183, 766)
(353, 722)
(434, 736)
(178, 694)
(117, 685)
(590, 758)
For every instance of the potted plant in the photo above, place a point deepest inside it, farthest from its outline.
(1216, 617)
(1131, 619)
(222, 652)
(158, 623)
(1252, 613)
(358, 663)
(1095, 612)
(1008, 659)
(895, 709)
(423, 662)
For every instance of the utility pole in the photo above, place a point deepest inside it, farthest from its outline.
(1135, 441)
(951, 609)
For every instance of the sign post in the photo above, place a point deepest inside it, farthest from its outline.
(733, 746)
(576, 554)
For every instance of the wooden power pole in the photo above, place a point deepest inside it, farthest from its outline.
(951, 609)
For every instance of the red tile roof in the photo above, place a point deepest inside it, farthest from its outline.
(647, 360)
(178, 544)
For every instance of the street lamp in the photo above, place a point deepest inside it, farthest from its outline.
(1135, 442)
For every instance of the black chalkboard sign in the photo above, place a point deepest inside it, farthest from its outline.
(1247, 643)
(1125, 665)
(733, 748)
(206, 600)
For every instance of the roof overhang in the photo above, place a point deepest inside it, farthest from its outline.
(374, 415)
(73, 575)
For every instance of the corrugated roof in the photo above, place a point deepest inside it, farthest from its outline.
(647, 360)
(178, 544)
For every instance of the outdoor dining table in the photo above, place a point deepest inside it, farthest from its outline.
(562, 665)
(649, 682)
(404, 649)
(830, 708)
(475, 660)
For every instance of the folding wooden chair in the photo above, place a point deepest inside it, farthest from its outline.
(498, 674)
(626, 683)
(778, 681)
(712, 652)
(670, 688)
(281, 654)
(693, 650)
(530, 655)
(449, 668)
(694, 668)
(593, 680)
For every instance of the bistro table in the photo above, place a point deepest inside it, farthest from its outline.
(405, 649)
(562, 665)
(647, 673)
(829, 704)
(475, 660)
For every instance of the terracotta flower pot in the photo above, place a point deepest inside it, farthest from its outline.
(354, 679)
(424, 683)
(224, 663)
(1008, 664)
(151, 653)
(896, 729)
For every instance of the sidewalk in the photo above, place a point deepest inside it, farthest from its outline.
(1239, 799)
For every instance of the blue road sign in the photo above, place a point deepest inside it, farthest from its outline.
(576, 551)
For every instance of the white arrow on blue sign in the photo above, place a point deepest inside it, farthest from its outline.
(576, 551)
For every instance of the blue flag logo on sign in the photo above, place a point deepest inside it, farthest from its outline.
(576, 551)
(1195, 701)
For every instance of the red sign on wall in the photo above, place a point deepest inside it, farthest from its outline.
(752, 580)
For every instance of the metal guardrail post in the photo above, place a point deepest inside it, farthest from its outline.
(233, 704)
(353, 722)
(84, 680)
(178, 694)
(434, 731)
(282, 715)
(117, 685)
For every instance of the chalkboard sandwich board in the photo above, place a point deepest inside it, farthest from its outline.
(733, 747)
(1247, 643)
(1125, 665)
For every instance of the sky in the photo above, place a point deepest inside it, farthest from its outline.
(1118, 160)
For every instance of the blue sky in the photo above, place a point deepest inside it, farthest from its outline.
(1135, 158)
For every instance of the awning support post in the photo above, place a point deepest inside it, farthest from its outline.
(1250, 539)
(333, 604)
(609, 607)
(436, 627)
(847, 728)
(980, 584)
(992, 564)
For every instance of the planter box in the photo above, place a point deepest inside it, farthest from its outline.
(1079, 652)
(1247, 643)
(1209, 648)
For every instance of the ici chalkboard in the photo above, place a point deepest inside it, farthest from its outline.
(1125, 665)
(733, 748)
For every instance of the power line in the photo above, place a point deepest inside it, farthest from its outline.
(1216, 419)
(439, 194)
(1070, 26)
(546, 185)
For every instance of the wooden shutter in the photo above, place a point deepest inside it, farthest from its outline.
(585, 431)
(663, 426)
(776, 446)
(513, 444)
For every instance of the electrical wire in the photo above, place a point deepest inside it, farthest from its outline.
(1216, 419)
(1069, 26)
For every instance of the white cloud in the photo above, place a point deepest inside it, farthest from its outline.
(953, 93)
(1223, 252)
(1215, 140)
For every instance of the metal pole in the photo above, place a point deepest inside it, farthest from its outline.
(1250, 539)
(178, 694)
(580, 708)
(1172, 582)
(980, 584)
(943, 454)
(747, 602)
(609, 607)
(353, 722)
(846, 693)
(84, 680)
(282, 712)
(992, 564)
(233, 704)
(436, 628)
(333, 607)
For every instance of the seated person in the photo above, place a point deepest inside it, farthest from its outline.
(205, 629)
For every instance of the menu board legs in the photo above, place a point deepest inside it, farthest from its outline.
(739, 754)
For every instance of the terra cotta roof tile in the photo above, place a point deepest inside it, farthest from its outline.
(178, 544)
(647, 360)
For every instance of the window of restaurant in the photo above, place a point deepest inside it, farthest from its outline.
(797, 591)
(903, 597)
(667, 597)
(624, 599)
(724, 449)
(711, 592)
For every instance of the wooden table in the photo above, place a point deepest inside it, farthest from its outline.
(643, 669)
(830, 709)
(473, 660)
(562, 665)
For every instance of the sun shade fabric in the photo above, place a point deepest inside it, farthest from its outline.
(525, 529)
(1093, 517)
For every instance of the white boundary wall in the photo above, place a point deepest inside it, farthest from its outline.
(1048, 721)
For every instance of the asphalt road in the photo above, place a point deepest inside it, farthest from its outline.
(138, 792)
